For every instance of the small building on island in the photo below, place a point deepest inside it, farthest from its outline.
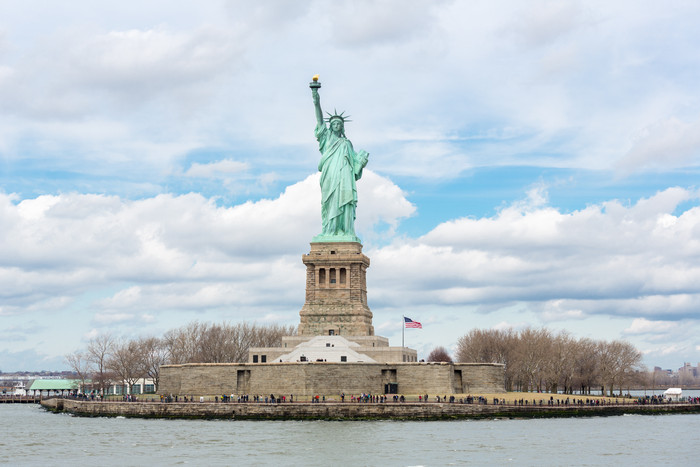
(673, 394)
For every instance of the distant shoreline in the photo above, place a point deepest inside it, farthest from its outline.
(349, 411)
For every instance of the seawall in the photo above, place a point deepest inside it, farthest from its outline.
(346, 411)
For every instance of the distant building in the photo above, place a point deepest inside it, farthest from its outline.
(666, 372)
(689, 370)
(142, 386)
(53, 387)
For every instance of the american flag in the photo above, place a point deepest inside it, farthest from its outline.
(412, 324)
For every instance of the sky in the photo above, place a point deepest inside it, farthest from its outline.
(531, 164)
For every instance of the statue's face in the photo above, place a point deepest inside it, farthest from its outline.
(336, 126)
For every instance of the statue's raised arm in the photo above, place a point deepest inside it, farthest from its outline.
(340, 167)
(315, 85)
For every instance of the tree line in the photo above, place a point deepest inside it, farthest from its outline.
(534, 359)
(108, 359)
(542, 360)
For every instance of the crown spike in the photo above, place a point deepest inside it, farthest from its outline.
(344, 118)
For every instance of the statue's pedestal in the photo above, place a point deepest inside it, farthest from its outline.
(335, 324)
(336, 291)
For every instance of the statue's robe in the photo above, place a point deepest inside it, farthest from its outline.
(340, 167)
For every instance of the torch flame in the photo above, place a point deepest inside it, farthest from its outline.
(315, 78)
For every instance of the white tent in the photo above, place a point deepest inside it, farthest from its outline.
(673, 393)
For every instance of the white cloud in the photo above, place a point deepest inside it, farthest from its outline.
(141, 261)
(547, 24)
(668, 143)
(670, 350)
(365, 23)
(612, 259)
(571, 86)
(108, 101)
(557, 310)
(112, 318)
(173, 252)
(132, 53)
(219, 169)
(645, 326)
(504, 326)
(91, 334)
(427, 160)
(144, 63)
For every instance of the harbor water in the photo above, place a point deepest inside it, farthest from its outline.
(34, 436)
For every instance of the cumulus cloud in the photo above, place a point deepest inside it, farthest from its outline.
(609, 258)
(187, 254)
(180, 252)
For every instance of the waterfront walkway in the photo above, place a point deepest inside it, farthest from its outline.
(350, 410)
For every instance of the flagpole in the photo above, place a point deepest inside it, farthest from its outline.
(403, 329)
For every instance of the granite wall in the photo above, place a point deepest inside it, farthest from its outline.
(311, 378)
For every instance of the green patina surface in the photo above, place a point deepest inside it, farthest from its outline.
(340, 166)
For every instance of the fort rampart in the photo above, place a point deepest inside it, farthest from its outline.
(311, 378)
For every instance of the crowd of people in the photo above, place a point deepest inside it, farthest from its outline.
(395, 398)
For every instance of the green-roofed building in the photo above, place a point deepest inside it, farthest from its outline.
(54, 386)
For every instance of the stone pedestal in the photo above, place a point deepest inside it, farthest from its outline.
(336, 291)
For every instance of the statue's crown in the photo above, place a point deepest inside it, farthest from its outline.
(342, 117)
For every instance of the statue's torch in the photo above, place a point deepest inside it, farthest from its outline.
(314, 84)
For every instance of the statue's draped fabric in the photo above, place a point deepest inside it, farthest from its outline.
(340, 167)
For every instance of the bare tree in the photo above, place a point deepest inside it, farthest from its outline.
(490, 346)
(606, 365)
(221, 343)
(641, 378)
(562, 355)
(81, 365)
(182, 343)
(153, 353)
(538, 359)
(98, 352)
(125, 362)
(533, 358)
(627, 362)
(439, 354)
(586, 365)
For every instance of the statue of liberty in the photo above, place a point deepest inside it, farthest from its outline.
(340, 167)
